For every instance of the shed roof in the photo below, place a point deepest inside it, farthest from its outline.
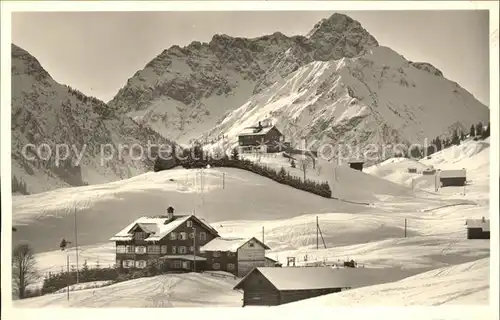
(157, 227)
(229, 244)
(310, 278)
(478, 223)
(461, 173)
(255, 131)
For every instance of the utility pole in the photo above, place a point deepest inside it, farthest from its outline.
(76, 249)
(263, 234)
(69, 278)
(317, 233)
(223, 180)
(194, 249)
(405, 227)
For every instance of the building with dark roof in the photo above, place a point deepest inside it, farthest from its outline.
(478, 228)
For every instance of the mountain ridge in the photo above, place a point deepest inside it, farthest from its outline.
(47, 116)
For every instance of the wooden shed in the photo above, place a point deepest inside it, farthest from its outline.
(478, 228)
(356, 165)
(269, 286)
(455, 178)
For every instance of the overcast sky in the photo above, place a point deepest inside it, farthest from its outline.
(96, 52)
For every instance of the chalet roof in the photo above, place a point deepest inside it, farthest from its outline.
(478, 223)
(255, 131)
(309, 278)
(158, 227)
(229, 244)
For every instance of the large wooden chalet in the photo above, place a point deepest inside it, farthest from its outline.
(235, 255)
(261, 136)
(177, 243)
(173, 241)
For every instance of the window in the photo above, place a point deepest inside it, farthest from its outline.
(251, 244)
(154, 249)
(174, 249)
(130, 249)
(191, 235)
(189, 223)
(183, 236)
(182, 250)
(140, 249)
(164, 249)
(203, 236)
(140, 235)
(216, 266)
(230, 266)
(191, 249)
(216, 254)
(230, 254)
(140, 264)
(185, 264)
(176, 265)
(121, 249)
(173, 236)
(128, 263)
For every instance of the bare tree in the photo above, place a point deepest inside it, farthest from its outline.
(304, 164)
(23, 269)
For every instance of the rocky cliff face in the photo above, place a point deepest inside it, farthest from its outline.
(184, 92)
(48, 117)
(369, 102)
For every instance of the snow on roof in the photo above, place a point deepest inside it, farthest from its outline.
(158, 227)
(228, 244)
(478, 223)
(461, 173)
(254, 131)
(183, 257)
(309, 278)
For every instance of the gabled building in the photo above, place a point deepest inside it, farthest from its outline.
(262, 136)
(170, 241)
(235, 255)
(455, 178)
(478, 228)
(276, 286)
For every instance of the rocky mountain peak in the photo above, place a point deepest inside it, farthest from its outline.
(340, 36)
(31, 65)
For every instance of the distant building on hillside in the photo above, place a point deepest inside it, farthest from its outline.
(235, 255)
(264, 137)
(455, 178)
(356, 164)
(478, 228)
(172, 242)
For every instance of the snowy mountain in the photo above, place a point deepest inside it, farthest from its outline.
(46, 112)
(377, 98)
(336, 84)
(184, 92)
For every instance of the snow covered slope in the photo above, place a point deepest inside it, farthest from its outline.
(377, 98)
(172, 290)
(46, 112)
(183, 92)
(472, 155)
(464, 284)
